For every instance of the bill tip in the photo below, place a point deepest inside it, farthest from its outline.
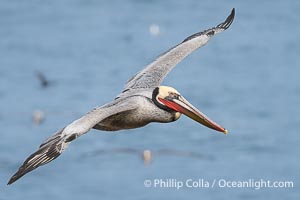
(225, 131)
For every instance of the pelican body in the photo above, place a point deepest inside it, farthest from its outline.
(142, 101)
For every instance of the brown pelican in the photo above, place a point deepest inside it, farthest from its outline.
(142, 101)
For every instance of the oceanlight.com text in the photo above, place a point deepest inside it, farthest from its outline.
(256, 184)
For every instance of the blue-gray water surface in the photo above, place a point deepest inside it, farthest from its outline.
(246, 79)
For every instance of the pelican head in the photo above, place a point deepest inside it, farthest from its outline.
(170, 100)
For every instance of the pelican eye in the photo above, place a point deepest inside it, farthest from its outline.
(173, 95)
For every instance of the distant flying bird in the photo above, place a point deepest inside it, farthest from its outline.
(142, 101)
(43, 80)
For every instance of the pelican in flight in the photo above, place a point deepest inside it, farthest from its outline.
(142, 101)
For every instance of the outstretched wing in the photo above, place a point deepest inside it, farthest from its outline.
(154, 73)
(56, 144)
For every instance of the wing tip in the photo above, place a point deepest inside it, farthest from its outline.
(42, 156)
(221, 27)
(226, 24)
(14, 178)
(21, 172)
(11, 180)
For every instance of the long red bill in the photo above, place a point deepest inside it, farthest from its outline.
(183, 106)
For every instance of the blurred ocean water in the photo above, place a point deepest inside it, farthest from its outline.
(246, 79)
